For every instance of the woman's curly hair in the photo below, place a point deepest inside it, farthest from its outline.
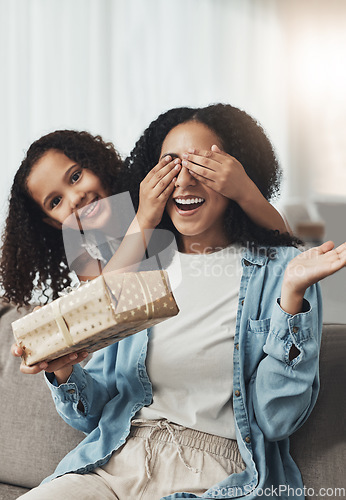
(242, 137)
(33, 253)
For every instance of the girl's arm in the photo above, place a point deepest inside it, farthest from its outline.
(260, 211)
(226, 175)
(285, 388)
(155, 189)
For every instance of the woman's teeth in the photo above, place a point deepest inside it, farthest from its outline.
(188, 204)
(189, 201)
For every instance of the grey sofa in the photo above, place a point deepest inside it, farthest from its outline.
(34, 438)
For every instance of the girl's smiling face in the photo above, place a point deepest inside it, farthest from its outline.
(196, 211)
(62, 188)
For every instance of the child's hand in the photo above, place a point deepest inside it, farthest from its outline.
(155, 189)
(308, 268)
(62, 367)
(219, 171)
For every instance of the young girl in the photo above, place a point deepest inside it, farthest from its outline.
(63, 173)
(210, 409)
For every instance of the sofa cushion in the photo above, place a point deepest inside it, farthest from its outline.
(9, 492)
(319, 447)
(33, 436)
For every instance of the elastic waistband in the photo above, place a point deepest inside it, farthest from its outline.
(158, 430)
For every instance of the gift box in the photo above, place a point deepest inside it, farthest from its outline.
(97, 314)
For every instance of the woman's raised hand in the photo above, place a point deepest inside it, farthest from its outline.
(314, 264)
(219, 171)
(308, 268)
(155, 189)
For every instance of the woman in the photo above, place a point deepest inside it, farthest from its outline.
(203, 403)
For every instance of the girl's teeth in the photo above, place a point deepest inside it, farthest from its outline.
(90, 209)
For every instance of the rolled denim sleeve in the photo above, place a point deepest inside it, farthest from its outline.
(80, 401)
(285, 391)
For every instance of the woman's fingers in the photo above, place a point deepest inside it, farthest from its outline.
(16, 350)
(327, 246)
(30, 370)
(64, 361)
(55, 365)
(315, 264)
(336, 256)
(341, 249)
(340, 257)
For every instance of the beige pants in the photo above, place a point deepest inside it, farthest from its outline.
(159, 458)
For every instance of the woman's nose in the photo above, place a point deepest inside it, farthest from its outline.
(185, 179)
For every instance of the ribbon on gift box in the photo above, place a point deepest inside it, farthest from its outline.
(148, 302)
(147, 295)
(59, 319)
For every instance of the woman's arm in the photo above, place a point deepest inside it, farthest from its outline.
(79, 395)
(285, 388)
(307, 269)
(80, 400)
(226, 175)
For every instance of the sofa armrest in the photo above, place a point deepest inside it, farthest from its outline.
(319, 447)
(33, 436)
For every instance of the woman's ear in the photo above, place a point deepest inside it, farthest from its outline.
(52, 222)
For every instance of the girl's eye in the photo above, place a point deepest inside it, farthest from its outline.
(75, 176)
(55, 201)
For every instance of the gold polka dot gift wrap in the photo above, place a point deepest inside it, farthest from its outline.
(97, 314)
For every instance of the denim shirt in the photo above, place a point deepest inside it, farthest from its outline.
(272, 396)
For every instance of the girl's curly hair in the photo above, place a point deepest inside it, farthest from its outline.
(242, 137)
(33, 252)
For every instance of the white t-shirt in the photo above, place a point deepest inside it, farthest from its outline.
(190, 356)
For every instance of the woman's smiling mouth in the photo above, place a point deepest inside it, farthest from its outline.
(188, 204)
